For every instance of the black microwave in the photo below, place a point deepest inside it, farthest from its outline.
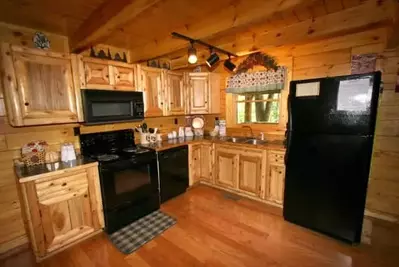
(106, 106)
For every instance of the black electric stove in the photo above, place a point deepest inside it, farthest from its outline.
(128, 176)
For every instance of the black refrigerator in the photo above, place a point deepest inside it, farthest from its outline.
(329, 145)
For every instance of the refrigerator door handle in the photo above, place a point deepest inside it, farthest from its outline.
(288, 130)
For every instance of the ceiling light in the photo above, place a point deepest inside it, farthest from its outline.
(229, 65)
(212, 59)
(192, 54)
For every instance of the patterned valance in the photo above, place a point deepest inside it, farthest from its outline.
(260, 81)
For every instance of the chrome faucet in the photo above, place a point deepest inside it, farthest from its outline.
(250, 128)
(262, 136)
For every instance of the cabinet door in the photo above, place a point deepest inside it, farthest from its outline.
(275, 184)
(226, 168)
(195, 163)
(206, 162)
(44, 92)
(97, 75)
(123, 78)
(175, 93)
(63, 209)
(249, 177)
(199, 93)
(152, 87)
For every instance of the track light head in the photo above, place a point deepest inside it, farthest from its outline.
(229, 65)
(192, 54)
(212, 59)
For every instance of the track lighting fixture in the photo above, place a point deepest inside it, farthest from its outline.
(229, 65)
(192, 54)
(212, 59)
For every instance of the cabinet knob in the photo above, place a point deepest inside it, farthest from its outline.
(118, 77)
(206, 102)
(161, 103)
(106, 76)
(171, 103)
(26, 103)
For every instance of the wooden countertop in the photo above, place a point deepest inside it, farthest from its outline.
(26, 174)
(168, 144)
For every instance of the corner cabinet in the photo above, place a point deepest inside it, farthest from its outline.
(62, 208)
(201, 158)
(203, 93)
(106, 74)
(39, 87)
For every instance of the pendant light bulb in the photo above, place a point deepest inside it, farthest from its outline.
(192, 55)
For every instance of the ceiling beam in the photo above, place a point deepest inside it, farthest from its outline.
(348, 21)
(393, 37)
(107, 18)
(237, 14)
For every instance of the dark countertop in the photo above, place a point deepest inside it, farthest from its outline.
(171, 143)
(26, 174)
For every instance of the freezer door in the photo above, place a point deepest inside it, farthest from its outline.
(326, 183)
(336, 105)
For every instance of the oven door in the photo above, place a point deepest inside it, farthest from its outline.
(106, 106)
(129, 182)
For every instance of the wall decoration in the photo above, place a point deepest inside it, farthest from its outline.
(260, 81)
(154, 63)
(107, 55)
(197, 69)
(363, 63)
(258, 58)
(41, 41)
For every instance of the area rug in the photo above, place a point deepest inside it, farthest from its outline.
(133, 236)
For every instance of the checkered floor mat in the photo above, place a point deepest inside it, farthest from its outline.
(133, 236)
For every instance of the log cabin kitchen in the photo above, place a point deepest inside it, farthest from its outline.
(209, 133)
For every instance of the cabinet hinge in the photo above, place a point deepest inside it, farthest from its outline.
(40, 213)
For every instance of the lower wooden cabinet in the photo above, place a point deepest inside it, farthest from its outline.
(226, 168)
(63, 208)
(258, 173)
(250, 173)
(206, 161)
(275, 184)
(201, 163)
(275, 179)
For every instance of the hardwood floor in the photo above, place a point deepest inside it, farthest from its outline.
(212, 230)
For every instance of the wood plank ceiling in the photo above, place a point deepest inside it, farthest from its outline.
(240, 26)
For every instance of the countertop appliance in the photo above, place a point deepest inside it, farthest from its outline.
(329, 147)
(128, 176)
(173, 172)
(108, 106)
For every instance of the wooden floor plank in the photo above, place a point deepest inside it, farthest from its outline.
(213, 230)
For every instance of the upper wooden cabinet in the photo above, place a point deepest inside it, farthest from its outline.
(39, 87)
(175, 93)
(62, 208)
(203, 93)
(106, 74)
(151, 83)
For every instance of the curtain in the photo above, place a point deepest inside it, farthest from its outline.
(261, 81)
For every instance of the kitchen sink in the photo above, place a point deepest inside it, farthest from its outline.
(255, 142)
(245, 140)
(236, 139)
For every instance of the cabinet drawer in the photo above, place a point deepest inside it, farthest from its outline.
(64, 187)
(276, 157)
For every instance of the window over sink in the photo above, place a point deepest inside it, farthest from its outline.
(259, 107)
